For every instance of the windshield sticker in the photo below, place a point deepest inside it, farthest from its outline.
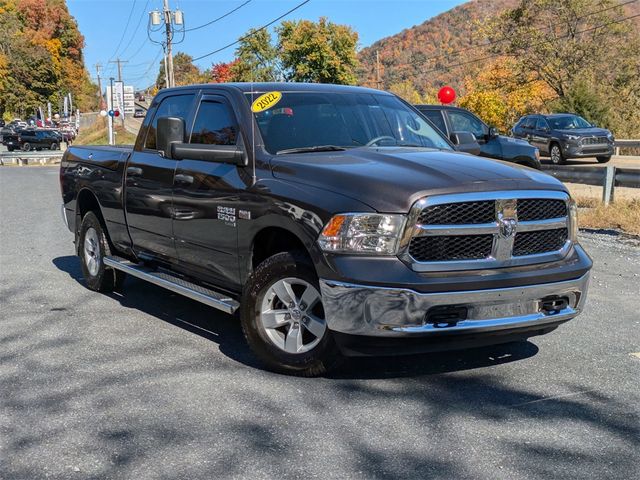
(265, 102)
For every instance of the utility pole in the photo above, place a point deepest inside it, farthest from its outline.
(377, 70)
(98, 67)
(170, 19)
(119, 62)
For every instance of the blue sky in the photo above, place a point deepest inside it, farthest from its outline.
(103, 22)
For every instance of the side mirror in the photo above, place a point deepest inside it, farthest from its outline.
(465, 142)
(209, 153)
(170, 130)
(493, 132)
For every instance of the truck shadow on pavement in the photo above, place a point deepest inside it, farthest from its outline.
(225, 331)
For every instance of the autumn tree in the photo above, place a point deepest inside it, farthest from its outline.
(41, 57)
(500, 94)
(220, 72)
(406, 91)
(322, 51)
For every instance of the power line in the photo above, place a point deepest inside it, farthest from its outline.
(144, 10)
(252, 33)
(133, 6)
(219, 18)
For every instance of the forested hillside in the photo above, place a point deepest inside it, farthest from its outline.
(40, 57)
(506, 58)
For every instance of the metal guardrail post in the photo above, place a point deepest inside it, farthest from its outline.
(608, 184)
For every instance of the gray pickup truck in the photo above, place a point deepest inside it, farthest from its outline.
(334, 220)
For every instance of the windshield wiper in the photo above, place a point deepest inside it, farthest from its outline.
(317, 148)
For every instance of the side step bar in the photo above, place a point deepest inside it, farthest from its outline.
(175, 284)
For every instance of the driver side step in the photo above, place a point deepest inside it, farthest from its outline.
(175, 284)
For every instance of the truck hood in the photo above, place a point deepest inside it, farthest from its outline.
(391, 179)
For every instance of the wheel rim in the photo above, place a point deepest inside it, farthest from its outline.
(92, 251)
(292, 316)
(555, 154)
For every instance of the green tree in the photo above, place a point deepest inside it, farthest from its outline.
(257, 58)
(583, 99)
(321, 51)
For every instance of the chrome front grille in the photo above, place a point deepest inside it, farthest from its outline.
(594, 140)
(487, 230)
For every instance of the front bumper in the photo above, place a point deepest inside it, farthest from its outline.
(402, 313)
(580, 151)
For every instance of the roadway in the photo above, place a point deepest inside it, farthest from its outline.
(146, 384)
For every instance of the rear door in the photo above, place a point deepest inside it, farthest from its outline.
(149, 182)
(207, 195)
(540, 135)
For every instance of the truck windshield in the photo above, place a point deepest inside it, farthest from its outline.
(301, 120)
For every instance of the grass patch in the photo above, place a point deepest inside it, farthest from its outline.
(98, 134)
(622, 214)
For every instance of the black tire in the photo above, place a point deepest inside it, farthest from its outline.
(26, 146)
(556, 155)
(320, 359)
(603, 159)
(100, 279)
(11, 149)
(54, 146)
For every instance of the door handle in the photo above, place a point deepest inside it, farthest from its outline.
(181, 178)
(134, 172)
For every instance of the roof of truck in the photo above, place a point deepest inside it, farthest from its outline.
(247, 87)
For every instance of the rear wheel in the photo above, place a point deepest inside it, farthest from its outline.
(283, 319)
(26, 146)
(54, 146)
(93, 248)
(603, 159)
(556, 155)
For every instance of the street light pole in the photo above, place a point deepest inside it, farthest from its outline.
(110, 121)
(169, 64)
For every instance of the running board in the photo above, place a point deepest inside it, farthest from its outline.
(175, 284)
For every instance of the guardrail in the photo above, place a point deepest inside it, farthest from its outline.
(25, 158)
(618, 144)
(609, 177)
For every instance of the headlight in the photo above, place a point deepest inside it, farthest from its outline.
(572, 137)
(536, 153)
(573, 221)
(371, 233)
(610, 136)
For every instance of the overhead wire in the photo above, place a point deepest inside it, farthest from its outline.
(133, 6)
(253, 32)
(219, 18)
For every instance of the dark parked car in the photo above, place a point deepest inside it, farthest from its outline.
(563, 135)
(453, 119)
(34, 139)
(335, 220)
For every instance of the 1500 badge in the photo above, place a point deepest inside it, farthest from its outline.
(227, 215)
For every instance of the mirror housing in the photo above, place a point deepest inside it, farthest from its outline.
(493, 132)
(209, 153)
(465, 142)
(169, 131)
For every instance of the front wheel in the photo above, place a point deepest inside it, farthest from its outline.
(603, 159)
(557, 157)
(283, 319)
(93, 248)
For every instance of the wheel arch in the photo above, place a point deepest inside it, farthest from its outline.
(271, 240)
(86, 202)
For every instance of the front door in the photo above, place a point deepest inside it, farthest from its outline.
(461, 121)
(540, 135)
(206, 198)
(149, 184)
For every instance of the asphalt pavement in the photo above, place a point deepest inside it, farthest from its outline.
(147, 384)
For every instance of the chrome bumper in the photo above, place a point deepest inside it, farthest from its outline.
(394, 312)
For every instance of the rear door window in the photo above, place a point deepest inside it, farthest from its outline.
(214, 124)
(435, 116)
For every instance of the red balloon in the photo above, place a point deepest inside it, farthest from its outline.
(446, 95)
